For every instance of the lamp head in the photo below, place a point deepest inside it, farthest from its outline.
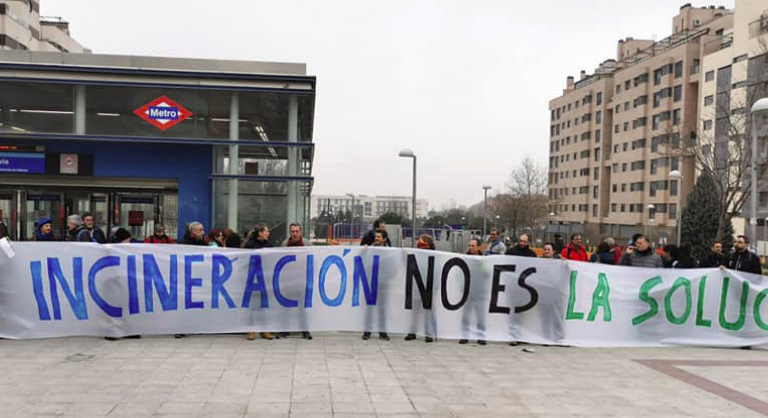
(407, 153)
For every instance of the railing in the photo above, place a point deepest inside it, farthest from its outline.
(758, 27)
(718, 44)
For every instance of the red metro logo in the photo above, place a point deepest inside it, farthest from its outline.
(163, 113)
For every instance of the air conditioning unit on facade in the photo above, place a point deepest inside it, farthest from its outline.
(696, 22)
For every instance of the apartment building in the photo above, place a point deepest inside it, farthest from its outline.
(615, 135)
(368, 208)
(735, 73)
(22, 28)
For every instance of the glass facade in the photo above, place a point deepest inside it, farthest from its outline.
(97, 122)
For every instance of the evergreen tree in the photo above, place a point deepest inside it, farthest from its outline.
(699, 223)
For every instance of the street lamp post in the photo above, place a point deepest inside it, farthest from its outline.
(677, 175)
(485, 206)
(765, 237)
(760, 107)
(407, 153)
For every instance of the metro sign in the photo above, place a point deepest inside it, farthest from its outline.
(163, 113)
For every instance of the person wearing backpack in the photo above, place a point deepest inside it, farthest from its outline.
(603, 254)
(574, 250)
(76, 231)
(96, 234)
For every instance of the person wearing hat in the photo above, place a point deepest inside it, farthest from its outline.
(159, 237)
(76, 229)
(44, 230)
(121, 236)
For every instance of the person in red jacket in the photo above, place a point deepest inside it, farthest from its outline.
(574, 250)
(159, 237)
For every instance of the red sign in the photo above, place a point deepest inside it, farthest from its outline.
(163, 113)
(135, 218)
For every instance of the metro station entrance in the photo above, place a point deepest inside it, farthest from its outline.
(137, 210)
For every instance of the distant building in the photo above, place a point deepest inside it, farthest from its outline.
(367, 208)
(615, 135)
(22, 28)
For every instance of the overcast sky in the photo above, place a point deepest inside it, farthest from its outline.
(465, 84)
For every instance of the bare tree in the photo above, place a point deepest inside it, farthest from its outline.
(524, 205)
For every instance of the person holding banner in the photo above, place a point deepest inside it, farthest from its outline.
(715, 258)
(195, 234)
(259, 237)
(522, 249)
(574, 250)
(44, 231)
(159, 237)
(380, 239)
(378, 225)
(97, 235)
(474, 303)
(425, 243)
(742, 259)
(641, 255)
(296, 239)
(548, 251)
(495, 244)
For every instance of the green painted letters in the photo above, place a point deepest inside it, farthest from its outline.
(570, 314)
(645, 296)
(739, 324)
(700, 320)
(677, 320)
(600, 298)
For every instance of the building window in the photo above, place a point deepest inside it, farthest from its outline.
(614, 188)
(707, 125)
(598, 117)
(678, 69)
(709, 76)
(676, 116)
(627, 85)
(613, 207)
(739, 85)
(623, 187)
(673, 188)
(740, 58)
(598, 135)
(640, 101)
(618, 88)
(678, 93)
(709, 100)
(599, 98)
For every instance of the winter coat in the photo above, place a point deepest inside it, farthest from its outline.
(370, 237)
(602, 258)
(745, 261)
(153, 239)
(521, 251)
(713, 260)
(256, 244)
(574, 252)
(497, 247)
(642, 259)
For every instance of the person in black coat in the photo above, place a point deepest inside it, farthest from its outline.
(259, 238)
(715, 258)
(742, 259)
(195, 234)
(369, 238)
(522, 249)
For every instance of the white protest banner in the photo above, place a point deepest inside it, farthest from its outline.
(55, 289)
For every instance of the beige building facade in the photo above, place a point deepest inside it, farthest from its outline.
(616, 135)
(22, 28)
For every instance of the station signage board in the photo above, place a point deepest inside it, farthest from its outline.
(163, 113)
(22, 162)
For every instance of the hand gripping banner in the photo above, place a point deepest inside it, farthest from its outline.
(56, 290)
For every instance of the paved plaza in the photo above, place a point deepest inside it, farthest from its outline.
(338, 375)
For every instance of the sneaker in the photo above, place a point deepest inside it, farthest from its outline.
(267, 336)
(306, 335)
(366, 336)
(481, 342)
(429, 339)
(746, 347)
(384, 336)
(251, 336)
(179, 336)
(410, 337)
(282, 335)
(463, 341)
(514, 343)
(111, 338)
